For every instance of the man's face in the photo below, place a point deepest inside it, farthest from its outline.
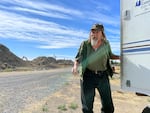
(96, 35)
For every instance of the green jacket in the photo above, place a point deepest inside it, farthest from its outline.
(83, 56)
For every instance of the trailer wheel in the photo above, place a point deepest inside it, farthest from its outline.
(146, 110)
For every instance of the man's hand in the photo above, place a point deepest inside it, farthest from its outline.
(75, 68)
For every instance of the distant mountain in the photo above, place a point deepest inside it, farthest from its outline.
(9, 60)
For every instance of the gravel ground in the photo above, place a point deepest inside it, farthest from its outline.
(58, 91)
(67, 99)
(19, 90)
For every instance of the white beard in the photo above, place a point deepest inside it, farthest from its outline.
(94, 42)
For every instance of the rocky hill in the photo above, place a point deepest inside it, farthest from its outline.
(9, 60)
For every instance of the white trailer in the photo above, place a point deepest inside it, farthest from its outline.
(135, 46)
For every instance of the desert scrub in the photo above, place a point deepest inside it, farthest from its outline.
(73, 106)
(45, 108)
(62, 107)
(66, 83)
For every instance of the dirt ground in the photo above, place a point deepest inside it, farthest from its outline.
(67, 100)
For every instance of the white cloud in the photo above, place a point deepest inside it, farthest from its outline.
(101, 6)
(106, 19)
(57, 11)
(114, 31)
(50, 34)
(44, 13)
(42, 8)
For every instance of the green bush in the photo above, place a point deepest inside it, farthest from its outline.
(73, 106)
(44, 109)
(62, 107)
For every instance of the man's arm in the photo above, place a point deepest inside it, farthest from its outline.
(75, 67)
(115, 57)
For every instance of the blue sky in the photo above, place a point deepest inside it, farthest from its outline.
(35, 28)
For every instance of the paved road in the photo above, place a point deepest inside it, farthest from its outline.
(18, 89)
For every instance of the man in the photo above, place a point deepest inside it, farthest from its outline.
(93, 56)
